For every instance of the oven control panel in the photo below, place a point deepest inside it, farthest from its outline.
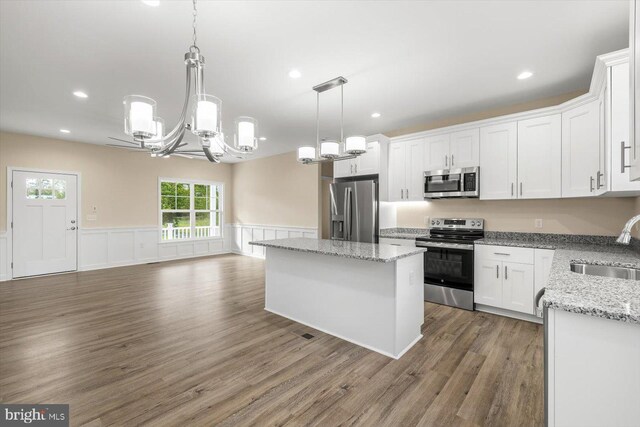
(458, 223)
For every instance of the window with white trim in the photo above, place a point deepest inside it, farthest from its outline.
(190, 209)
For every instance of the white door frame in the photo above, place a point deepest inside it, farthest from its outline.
(10, 170)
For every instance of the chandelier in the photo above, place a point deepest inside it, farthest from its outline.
(201, 115)
(329, 150)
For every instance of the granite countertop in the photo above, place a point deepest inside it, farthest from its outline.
(616, 299)
(355, 250)
(404, 233)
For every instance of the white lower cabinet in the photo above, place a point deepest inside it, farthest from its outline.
(592, 371)
(517, 287)
(505, 277)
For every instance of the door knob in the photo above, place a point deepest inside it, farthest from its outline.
(73, 221)
(72, 228)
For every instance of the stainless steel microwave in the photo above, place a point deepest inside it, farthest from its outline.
(450, 183)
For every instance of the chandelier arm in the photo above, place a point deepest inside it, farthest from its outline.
(171, 147)
(211, 157)
(180, 126)
(229, 149)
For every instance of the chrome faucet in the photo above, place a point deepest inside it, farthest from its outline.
(625, 236)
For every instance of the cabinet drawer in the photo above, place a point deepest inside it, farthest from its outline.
(396, 242)
(505, 253)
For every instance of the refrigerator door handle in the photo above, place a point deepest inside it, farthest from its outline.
(347, 213)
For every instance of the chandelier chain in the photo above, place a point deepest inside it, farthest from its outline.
(195, 16)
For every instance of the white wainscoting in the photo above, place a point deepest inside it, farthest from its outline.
(113, 247)
(4, 257)
(239, 236)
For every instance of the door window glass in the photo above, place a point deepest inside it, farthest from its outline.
(46, 188)
(59, 188)
(33, 188)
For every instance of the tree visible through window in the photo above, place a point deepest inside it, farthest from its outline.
(190, 209)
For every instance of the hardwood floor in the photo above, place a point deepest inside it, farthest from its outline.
(188, 343)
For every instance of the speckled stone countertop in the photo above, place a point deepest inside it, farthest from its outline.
(404, 233)
(616, 299)
(355, 250)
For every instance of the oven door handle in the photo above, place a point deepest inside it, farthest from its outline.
(461, 246)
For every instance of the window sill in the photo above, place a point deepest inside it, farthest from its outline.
(201, 239)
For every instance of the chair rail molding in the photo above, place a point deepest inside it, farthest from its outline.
(239, 236)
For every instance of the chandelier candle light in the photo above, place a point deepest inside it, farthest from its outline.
(353, 146)
(148, 130)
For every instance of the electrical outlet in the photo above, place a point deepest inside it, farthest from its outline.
(538, 223)
(91, 217)
(426, 221)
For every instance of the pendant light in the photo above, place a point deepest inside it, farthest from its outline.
(329, 150)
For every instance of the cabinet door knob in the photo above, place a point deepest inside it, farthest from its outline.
(452, 163)
(497, 271)
(506, 276)
(591, 184)
(622, 148)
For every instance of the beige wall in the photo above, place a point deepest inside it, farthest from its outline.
(123, 185)
(601, 216)
(276, 190)
(487, 114)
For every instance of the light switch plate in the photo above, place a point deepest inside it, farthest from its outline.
(426, 221)
(538, 223)
(92, 217)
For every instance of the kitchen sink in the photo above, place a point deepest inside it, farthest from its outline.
(606, 271)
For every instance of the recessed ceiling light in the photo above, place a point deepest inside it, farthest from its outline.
(295, 74)
(153, 3)
(80, 94)
(524, 75)
(65, 131)
(263, 138)
(375, 115)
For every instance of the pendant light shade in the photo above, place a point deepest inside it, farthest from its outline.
(205, 118)
(306, 154)
(246, 129)
(355, 145)
(329, 149)
(139, 112)
(217, 145)
(156, 140)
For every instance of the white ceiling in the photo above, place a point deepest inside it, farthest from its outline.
(411, 61)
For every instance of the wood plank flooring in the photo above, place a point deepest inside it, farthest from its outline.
(189, 343)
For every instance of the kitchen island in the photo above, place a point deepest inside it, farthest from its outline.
(365, 293)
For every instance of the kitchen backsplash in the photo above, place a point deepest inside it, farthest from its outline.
(588, 216)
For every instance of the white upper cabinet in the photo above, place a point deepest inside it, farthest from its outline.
(369, 162)
(365, 164)
(415, 169)
(436, 152)
(342, 168)
(634, 101)
(397, 175)
(618, 143)
(499, 161)
(464, 149)
(406, 170)
(539, 158)
(581, 141)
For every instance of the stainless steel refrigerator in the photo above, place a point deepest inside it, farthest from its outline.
(354, 211)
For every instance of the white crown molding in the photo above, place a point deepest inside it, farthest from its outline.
(598, 80)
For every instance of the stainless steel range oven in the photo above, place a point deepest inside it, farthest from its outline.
(448, 262)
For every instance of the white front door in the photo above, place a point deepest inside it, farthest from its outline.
(45, 223)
